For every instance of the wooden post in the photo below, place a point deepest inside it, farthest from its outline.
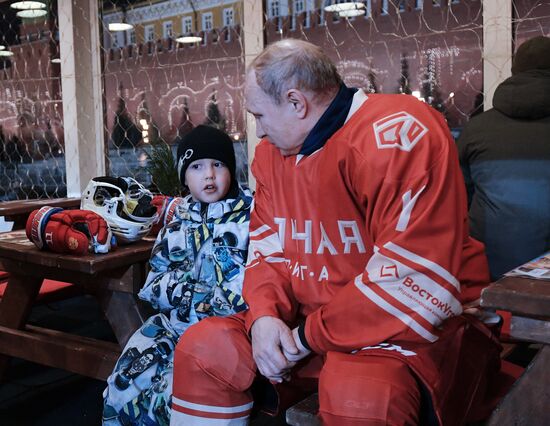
(81, 92)
(497, 46)
(253, 37)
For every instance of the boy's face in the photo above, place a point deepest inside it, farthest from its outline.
(208, 180)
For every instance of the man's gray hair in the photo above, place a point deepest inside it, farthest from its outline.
(295, 64)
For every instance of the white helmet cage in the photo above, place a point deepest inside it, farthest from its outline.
(124, 203)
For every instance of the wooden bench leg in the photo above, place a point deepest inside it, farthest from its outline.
(117, 295)
(16, 306)
(123, 313)
(527, 401)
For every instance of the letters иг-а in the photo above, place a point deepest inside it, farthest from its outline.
(348, 237)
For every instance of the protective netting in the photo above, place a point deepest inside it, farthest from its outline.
(430, 49)
(32, 159)
(530, 19)
(155, 88)
(158, 88)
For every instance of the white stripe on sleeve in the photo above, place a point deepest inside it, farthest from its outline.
(432, 266)
(392, 310)
(259, 230)
(413, 289)
(266, 246)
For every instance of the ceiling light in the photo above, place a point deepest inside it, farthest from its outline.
(188, 39)
(56, 61)
(351, 13)
(31, 13)
(120, 26)
(6, 53)
(25, 5)
(343, 7)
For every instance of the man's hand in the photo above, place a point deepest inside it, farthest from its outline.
(302, 351)
(271, 337)
(473, 308)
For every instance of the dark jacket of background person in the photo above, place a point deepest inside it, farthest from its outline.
(505, 157)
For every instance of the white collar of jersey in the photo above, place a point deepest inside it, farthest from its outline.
(359, 99)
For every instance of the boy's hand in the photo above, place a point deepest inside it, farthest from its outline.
(271, 338)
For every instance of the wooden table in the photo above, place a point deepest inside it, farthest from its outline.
(529, 302)
(18, 210)
(113, 278)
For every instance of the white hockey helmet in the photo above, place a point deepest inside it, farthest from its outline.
(124, 203)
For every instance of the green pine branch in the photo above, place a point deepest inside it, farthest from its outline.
(163, 170)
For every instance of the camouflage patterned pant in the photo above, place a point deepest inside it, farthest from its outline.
(139, 390)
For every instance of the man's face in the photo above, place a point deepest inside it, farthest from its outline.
(278, 123)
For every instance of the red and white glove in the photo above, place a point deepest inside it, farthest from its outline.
(166, 207)
(69, 231)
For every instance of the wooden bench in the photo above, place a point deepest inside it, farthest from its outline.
(305, 412)
(114, 279)
(50, 291)
(18, 211)
(528, 300)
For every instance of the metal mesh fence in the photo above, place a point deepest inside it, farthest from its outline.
(32, 158)
(156, 87)
(530, 18)
(431, 49)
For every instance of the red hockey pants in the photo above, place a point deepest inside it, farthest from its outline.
(214, 371)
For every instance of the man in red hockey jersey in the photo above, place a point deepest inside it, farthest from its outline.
(360, 263)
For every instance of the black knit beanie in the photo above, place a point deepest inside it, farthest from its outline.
(205, 142)
(534, 54)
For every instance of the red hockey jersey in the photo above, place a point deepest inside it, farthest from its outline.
(366, 238)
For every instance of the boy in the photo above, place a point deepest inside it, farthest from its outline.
(197, 268)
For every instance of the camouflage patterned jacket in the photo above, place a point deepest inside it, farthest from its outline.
(197, 262)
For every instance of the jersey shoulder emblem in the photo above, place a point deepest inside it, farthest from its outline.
(400, 130)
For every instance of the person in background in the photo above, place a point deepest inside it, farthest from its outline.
(505, 158)
(360, 262)
(197, 269)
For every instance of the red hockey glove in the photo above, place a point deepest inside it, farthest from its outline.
(69, 231)
(166, 207)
